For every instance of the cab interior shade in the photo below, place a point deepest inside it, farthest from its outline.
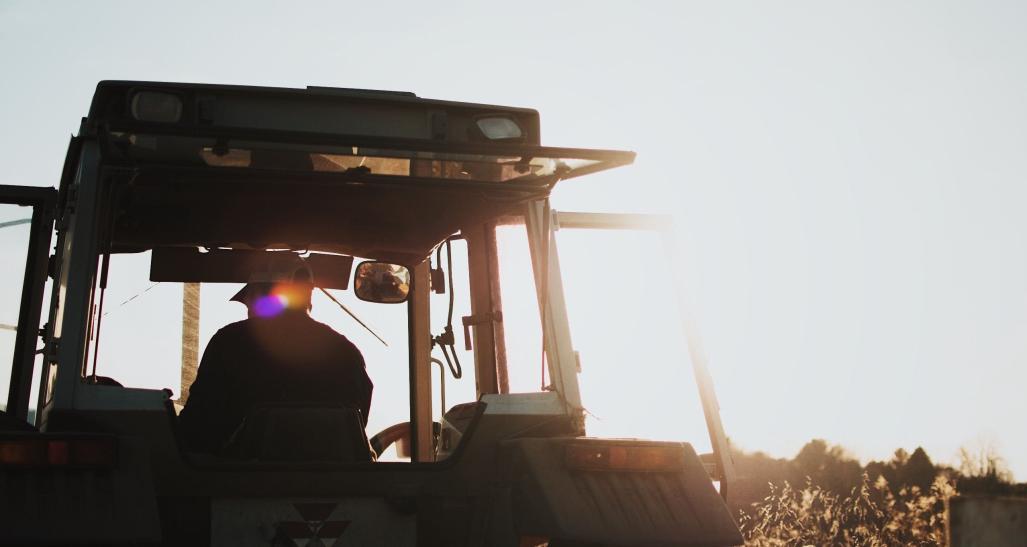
(279, 211)
(190, 265)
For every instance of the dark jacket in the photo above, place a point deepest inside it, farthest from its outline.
(288, 358)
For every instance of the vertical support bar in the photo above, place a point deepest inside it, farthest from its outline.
(545, 262)
(51, 337)
(481, 307)
(496, 296)
(418, 318)
(77, 281)
(31, 307)
(190, 337)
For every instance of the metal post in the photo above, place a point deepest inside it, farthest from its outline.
(418, 317)
(496, 295)
(483, 333)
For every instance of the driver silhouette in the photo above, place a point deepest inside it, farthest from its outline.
(279, 354)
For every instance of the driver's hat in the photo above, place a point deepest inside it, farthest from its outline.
(262, 282)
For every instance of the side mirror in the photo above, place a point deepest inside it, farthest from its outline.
(382, 282)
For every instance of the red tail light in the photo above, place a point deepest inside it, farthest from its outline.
(40, 452)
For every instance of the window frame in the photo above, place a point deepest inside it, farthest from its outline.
(43, 202)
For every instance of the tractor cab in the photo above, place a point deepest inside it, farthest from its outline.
(396, 209)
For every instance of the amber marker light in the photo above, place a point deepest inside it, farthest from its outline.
(623, 458)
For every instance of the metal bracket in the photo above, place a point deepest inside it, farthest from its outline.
(50, 348)
(475, 320)
(63, 217)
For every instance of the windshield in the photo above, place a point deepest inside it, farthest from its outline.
(141, 343)
(14, 239)
(146, 339)
(636, 377)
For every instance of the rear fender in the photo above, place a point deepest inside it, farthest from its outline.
(617, 492)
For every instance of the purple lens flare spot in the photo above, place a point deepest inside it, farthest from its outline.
(269, 306)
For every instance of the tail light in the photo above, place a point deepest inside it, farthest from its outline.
(50, 452)
(596, 457)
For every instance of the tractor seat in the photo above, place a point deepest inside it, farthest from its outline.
(301, 433)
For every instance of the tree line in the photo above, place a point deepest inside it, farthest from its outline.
(831, 468)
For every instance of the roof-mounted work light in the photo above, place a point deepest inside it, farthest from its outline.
(499, 128)
(156, 106)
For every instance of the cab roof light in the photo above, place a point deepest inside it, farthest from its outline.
(499, 128)
(28, 452)
(623, 458)
(156, 106)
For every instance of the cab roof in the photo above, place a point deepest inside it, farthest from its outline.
(378, 174)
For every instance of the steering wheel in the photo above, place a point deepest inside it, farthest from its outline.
(400, 432)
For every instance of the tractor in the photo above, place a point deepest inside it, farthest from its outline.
(393, 203)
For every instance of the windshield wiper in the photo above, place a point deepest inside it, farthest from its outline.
(353, 315)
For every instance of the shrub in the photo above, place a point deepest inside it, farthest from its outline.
(870, 515)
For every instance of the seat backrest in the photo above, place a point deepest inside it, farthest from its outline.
(301, 433)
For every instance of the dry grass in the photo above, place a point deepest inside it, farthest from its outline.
(871, 515)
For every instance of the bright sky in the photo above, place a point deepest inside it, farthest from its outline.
(847, 178)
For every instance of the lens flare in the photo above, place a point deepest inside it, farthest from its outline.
(270, 305)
